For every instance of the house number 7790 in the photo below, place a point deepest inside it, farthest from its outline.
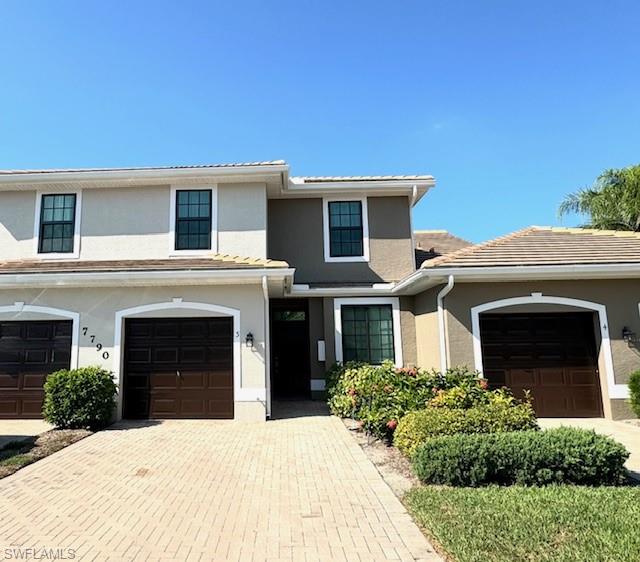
(92, 337)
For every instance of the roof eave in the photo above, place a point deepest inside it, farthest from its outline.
(425, 278)
(145, 278)
(141, 176)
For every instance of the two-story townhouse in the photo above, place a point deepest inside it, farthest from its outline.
(180, 280)
(210, 291)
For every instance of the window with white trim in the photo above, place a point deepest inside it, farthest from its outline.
(367, 333)
(193, 219)
(346, 230)
(57, 223)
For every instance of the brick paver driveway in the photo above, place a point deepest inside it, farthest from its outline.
(292, 489)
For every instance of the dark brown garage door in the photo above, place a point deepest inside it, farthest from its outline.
(29, 351)
(552, 355)
(178, 368)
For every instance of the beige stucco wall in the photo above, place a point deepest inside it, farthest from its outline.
(427, 332)
(98, 307)
(242, 220)
(621, 298)
(295, 234)
(17, 210)
(133, 222)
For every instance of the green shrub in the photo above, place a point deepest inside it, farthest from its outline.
(81, 398)
(417, 427)
(634, 392)
(379, 395)
(557, 456)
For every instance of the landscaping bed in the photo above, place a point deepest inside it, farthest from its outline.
(424, 430)
(551, 523)
(19, 454)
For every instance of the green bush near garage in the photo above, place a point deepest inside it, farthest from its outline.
(556, 456)
(634, 392)
(379, 395)
(79, 398)
(417, 427)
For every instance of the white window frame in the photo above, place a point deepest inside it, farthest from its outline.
(173, 211)
(365, 301)
(328, 258)
(77, 225)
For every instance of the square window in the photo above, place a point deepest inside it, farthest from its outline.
(367, 333)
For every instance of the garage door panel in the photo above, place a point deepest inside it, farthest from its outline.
(9, 408)
(556, 360)
(165, 355)
(9, 382)
(33, 381)
(29, 351)
(552, 377)
(188, 363)
(164, 380)
(521, 377)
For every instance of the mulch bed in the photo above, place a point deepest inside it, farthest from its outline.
(19, 454)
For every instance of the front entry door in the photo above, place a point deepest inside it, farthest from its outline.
(290, 378)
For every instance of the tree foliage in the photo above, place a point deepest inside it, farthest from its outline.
(612, 203)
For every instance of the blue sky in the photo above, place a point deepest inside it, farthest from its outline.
(509, 104)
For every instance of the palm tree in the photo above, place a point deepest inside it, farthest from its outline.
(612, 203)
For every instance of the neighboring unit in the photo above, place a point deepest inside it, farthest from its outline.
(209, 291)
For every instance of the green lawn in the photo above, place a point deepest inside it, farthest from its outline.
(559, 524)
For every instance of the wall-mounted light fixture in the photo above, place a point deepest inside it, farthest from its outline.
(628, 335)
(248, 340)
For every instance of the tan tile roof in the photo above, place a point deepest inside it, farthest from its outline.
(433, 243)
(539, 245)
(215, 261)
(125, 169)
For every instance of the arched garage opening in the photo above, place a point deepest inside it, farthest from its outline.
(558, 348)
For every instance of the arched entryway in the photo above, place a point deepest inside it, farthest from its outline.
(557, 347)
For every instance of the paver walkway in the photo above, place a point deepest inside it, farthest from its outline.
(291, 489)
(625, 433)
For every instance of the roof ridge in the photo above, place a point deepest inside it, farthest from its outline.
(595, 231)
(471, 249)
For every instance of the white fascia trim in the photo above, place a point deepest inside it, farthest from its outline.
(365, 231)
(240, 394)
(19, 307)
(512, 273)
(300, 290)
(614, 390)
(140, 278)
(395, 311)
(173, 203)
(77, 225)
(150, 176)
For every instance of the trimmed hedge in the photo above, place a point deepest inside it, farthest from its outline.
(417, 427)
(81, 398)
(556, 456)
(634, 392)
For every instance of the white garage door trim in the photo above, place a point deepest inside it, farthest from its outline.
(19, 307)
(614, 390)
(239, 394)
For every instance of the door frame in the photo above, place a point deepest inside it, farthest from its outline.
(300, 304)
(613, 390)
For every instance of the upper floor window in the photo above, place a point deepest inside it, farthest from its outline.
(346, 232)
(57, 224)
(193, 219)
